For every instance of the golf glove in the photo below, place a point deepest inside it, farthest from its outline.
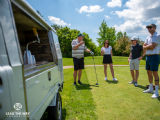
(92, 53)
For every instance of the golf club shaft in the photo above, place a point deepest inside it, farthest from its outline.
(95, 68)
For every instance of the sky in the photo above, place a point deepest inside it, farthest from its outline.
(130, 16)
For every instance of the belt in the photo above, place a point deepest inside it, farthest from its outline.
(152, 54)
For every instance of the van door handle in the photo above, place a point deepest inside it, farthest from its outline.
(49, 75)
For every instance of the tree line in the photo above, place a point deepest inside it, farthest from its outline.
(119, 41)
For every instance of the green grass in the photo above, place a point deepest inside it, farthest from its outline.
(117, 60)
(110, 100)
(77, 100)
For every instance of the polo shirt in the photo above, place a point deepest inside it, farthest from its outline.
(136, 51)
(79, 52)
(156, 39)
(107, 50)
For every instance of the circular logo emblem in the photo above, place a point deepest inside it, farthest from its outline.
(17, 106)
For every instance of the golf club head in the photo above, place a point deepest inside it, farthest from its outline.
(97, 83)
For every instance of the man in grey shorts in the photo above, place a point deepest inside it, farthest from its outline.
(78, 48)
(134, 59)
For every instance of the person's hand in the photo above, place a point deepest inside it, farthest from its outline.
(92, 53)
(128, 60)
(82, 42)
(140, 58)
(103, 51)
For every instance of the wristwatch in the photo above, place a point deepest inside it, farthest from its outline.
(142, 56)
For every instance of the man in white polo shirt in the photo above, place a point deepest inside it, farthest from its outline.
(152, 59)
(78, 47)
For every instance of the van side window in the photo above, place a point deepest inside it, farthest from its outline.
(35, 52)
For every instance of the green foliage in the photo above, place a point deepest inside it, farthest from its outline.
(119, 35)
(66, 35)
(106, 33)
(55, 26)
(122, 46)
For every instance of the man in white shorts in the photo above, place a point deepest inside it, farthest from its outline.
(134, 59)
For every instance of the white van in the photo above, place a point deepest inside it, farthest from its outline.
(31, 68)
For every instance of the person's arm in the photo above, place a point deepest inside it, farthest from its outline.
(76, 46)
(144, 53)
(87, 50)
(111, 53)
(129, 57)
(102, 51)
(150, 47)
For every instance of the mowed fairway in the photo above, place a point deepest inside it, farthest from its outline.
(110, 100)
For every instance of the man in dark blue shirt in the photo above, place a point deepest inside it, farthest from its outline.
(134, 59)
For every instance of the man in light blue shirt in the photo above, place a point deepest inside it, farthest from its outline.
(151, 44)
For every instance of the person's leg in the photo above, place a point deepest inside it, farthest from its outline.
(154, 69)
(131, 64)
(137, 75)
(79, 74)
(76, 67)
(75, 75)
(105, 70)
(112, 71)
(132, 74)
(136, 64)
(156, 77)
(81, 66)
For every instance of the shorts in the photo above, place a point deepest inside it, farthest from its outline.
(152, 62)
(134, 64)
(107, 59)
(78, 63)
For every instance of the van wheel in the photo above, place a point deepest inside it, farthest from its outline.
(55, 112)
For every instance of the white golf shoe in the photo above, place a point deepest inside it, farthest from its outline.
(132, 82)
(155, 95)
(114, 79)
(148, 91)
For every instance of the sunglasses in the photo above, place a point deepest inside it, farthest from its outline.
(149, 27)
(107, 43)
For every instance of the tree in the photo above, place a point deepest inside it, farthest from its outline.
(55, 26)
(106, 33)
(122, 46)
(119, 35)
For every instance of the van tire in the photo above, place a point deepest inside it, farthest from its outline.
(55, 112)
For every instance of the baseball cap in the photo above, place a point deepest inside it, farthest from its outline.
(80, 34)
(134, 38)
(151, 25)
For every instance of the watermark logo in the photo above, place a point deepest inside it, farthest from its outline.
(17, 112)
(17, 106)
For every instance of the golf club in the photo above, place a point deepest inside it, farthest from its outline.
(95, 70)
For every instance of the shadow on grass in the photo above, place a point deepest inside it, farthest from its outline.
(112, 82)
(85, 86)
(142, 87)
(63, 114)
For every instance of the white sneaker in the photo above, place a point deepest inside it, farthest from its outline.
(132, 82)
(105, 78)
(136, 84)
(148, 91)
(155, 95)
(114, 79)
